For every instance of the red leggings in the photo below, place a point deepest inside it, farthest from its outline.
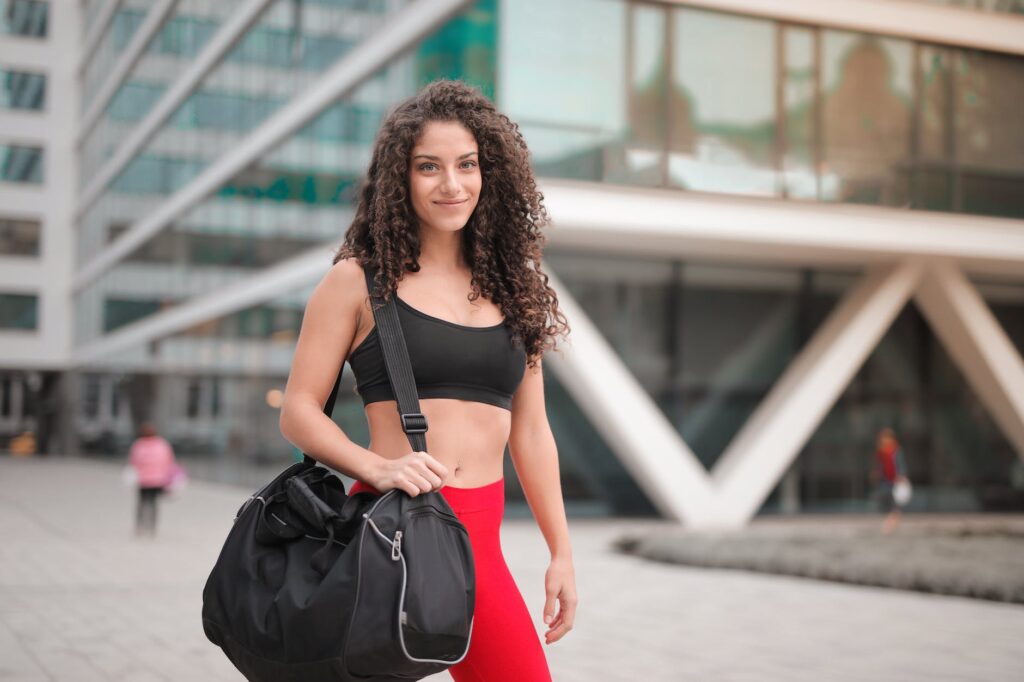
(504, 644)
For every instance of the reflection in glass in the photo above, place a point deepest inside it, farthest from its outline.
(989, 135)
(799, 176)
(644, 158)
(723, 103)
(866, 118)
(574, 125)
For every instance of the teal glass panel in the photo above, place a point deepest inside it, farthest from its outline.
(21, 164)
(27, 18)
(22, 90)
(464, 49)
(19, 311)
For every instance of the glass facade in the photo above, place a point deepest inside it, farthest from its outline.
(658, 95)
(629, 93)
(293, 199)
(709, 340)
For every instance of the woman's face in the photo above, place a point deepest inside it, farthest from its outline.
(444, 176)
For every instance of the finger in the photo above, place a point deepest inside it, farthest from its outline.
(566, 615)
(434, 465)
(409, 487)
(430, 477)
(420, 481)
(549, 608)
(556, 622)
(557, 633)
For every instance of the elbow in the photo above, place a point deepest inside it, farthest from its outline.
(283, 422)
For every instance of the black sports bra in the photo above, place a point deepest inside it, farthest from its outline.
(449, 360)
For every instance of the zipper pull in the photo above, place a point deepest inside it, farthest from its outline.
(396, 546)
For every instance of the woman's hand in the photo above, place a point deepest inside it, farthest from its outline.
(560, 585)
(415, 473)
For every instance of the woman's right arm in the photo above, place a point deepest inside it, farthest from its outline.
(329, 326)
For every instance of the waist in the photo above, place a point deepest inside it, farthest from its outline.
(461, 500)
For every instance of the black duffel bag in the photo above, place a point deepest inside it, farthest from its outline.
(315, 585)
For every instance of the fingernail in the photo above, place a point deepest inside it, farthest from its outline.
(547, 619)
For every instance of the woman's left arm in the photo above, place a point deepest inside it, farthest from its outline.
(535, 457)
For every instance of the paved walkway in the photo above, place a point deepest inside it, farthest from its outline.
(82, 600)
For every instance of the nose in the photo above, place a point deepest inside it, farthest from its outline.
(450, 184)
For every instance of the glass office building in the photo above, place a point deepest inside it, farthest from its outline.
(217, 146)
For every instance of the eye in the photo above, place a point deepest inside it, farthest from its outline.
(423, 166)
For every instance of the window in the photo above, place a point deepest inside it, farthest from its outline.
(22, 90)
(24, 17)
(19, 237)
(21, 164)
(18, 311)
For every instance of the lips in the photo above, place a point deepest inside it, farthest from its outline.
(451, 203)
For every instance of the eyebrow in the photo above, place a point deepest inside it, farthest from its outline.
(428, 156)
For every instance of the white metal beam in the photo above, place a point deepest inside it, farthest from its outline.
(410, 24)
(262, 285)
(622, 219)
(772, 437)
(230, 32)
(153, 22)
(977, 344)
(96, 32)
(997, 31)
(647, 444)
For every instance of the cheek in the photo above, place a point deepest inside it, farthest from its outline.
(418, 189)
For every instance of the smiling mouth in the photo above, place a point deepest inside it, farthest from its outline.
(451, 203)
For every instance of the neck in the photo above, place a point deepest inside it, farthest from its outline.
(441, 251)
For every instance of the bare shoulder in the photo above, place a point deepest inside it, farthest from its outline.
(345, 285)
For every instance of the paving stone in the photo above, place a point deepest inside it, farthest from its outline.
(81, 599)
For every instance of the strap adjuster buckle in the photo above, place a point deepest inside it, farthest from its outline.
(418, 419)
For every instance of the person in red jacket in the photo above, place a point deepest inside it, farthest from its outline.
(154, 462)
(890, 468)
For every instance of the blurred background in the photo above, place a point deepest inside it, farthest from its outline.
(175, 174)
(780, 229)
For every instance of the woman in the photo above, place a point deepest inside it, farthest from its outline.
(154, 462)
(890, 468)
(450, 217)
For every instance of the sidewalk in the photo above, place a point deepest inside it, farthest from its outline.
(82, 600)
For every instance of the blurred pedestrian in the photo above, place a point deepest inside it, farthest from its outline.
(153, 460)
(889, 472)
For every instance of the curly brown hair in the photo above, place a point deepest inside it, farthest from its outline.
(501, 240)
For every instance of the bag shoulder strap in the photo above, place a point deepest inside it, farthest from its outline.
(397, 363)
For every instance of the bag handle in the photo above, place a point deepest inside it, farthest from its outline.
(396, 361)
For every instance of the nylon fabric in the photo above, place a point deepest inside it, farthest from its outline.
(480, 364)
(504, 646)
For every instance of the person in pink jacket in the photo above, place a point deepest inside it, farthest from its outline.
(153, 460)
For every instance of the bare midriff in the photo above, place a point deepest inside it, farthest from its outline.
(468, 437)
